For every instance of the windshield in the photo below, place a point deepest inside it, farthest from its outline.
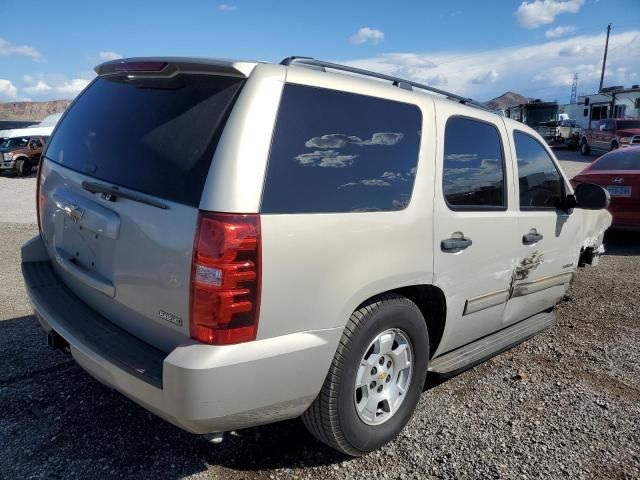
(14, 142)
(628, 124)
(628, 159)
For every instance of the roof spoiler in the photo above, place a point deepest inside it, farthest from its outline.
(170, 66)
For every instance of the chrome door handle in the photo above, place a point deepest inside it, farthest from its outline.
(455, 244)
(531, 238)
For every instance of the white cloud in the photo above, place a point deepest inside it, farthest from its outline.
(53, 86)
(539, 70)
(325, 158)
(372, 182)
(366, 34)
(490, 76)
(392, 176)
(542, 12)
(225, 7)
(340, 140)
(332, 140)
(108, 55)
(8, 49)
(39, 86)
(8, 89)
(73, 86)
(383, 138)
(560, 31)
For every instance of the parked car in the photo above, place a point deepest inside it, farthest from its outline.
(231, 244)
(20, 154)
(611, 134)
(619, 173)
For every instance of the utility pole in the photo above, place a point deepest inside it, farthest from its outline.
(574, 89)
(604, 60)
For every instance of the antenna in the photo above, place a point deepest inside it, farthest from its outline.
(574, 89)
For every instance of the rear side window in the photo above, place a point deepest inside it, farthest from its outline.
(155, 136)
(628, 159)
(539, 179)
(341, 152)
(473, 174)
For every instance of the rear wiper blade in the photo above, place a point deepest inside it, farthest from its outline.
(113, 192)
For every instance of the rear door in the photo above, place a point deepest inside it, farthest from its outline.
(548, 237)
(121, 184)
(475, 228)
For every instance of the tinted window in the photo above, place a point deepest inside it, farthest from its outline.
(155, 135)
(473, 174)
(619, 160)
(341, 152)
(540, 181)
(622, 124)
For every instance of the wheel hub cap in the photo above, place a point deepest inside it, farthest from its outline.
(383, 376)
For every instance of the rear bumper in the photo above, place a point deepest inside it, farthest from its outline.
(200, 388)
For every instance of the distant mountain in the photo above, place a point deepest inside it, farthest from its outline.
(32, 111)
(507, 99)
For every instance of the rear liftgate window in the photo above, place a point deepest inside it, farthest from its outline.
(155, 136)
(341, 152)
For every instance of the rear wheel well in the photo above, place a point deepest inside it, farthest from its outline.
(433, 306)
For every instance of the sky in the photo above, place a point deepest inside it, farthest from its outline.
(475, 48)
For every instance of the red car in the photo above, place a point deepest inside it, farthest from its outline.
(619, 172)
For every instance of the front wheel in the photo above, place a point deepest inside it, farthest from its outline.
(23, 168)
(584, 148)
(375, 379)
(614, 145)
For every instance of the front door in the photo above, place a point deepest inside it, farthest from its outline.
(475, 229)
(548, 250)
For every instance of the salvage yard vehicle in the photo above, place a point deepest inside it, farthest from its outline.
(20, 154)
(619, 172)
(232, 243)
(611, 134)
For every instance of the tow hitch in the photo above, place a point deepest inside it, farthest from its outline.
(56, 342)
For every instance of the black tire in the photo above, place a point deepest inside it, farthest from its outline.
(584, 148)
(332, 417)
(23, 167)
(614, 145)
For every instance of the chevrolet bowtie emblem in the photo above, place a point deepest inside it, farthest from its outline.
(618, 180)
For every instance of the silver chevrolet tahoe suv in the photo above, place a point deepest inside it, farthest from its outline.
(231, 243)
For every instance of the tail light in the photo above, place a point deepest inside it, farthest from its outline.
(40, 198)
(225, 279)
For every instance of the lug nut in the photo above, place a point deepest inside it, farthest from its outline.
(372, 385)
(379, 388)
(374, 370)
(389, 364)
(388, 378)
(381, 362)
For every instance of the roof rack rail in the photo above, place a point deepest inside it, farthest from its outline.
(398, 82)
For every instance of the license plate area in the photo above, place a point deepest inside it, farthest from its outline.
(619, 191)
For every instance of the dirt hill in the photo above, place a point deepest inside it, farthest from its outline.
(35, 111)
(507, 99)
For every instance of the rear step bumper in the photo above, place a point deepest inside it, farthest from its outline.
(200, 388)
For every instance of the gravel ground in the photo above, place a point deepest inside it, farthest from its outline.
(565, 404)
(18, 198)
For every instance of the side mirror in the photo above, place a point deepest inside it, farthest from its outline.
(591, 197)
